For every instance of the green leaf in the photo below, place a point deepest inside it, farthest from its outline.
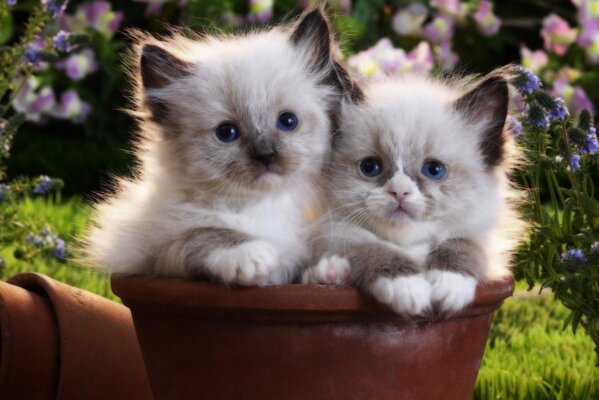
(6, 28)
(590, 205)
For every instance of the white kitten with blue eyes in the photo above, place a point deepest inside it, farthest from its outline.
(234, 133)
(418, 194)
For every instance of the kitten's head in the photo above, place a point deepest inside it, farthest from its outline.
(246, 112)
(421, 154)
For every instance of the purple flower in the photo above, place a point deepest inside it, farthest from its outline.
(11, 3)
(260, 11)
(515, 126)
(559, 112)
(440, 29)
(62, 41)
(36, 240)
(526, 81)
(79, 65)
(573, 259)
(575, 162)
(43, 186)
(537, 118)
(581, 101)
(592, 144)
(408, 21)
(31, 55)
(589, 38)
(573, 254)
(72, 107)
(32, 101)
(533, 60)
(56, 7)
(60, 251)
(557, 34)
(487, 21)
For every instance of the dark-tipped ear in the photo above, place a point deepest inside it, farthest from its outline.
(314, 33)
(349, 87)
(488, 102)
(158, 67)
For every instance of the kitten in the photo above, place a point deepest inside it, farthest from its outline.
(234, 133)
(418, 193)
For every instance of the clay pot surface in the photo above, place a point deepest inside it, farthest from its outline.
(60, 342)
(205, 341)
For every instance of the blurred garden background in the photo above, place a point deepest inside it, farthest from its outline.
(63, 135)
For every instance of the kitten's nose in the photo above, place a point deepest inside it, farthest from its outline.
(399, 196)
(265, 158)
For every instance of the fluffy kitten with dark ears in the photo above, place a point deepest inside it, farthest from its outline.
(420, 202)
(234, 133)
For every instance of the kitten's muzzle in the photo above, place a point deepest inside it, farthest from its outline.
(265, 158)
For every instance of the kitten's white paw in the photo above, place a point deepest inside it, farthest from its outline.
(407, 295)
(451, 290)
(248, 264)
(331, 270)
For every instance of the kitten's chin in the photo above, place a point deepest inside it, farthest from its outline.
(269, 181)
(400, 217)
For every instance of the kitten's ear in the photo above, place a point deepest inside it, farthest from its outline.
(313, 32)
(488, 103)
(158, 67)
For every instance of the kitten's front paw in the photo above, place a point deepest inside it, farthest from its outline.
(406, 295)
(331, 270)
(452, 291)
(248, 264)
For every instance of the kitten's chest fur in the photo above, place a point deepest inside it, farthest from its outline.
(280, 218)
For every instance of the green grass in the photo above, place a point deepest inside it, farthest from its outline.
(528, 355)
(68, 220)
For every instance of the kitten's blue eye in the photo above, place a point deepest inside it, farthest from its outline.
(287, 121)
(433, 170)
(227, 132)
(371, 167)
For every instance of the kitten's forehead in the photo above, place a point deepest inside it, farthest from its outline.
(249, 75)
(409, 121)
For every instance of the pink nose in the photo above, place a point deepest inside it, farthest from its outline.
(400, 197)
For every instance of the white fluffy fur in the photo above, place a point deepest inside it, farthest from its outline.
(406, 295)
(330, 270)
(413, 119)
(177, 188)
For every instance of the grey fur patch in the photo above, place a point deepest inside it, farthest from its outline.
(370, 261)
(457, 255)
(193, 246)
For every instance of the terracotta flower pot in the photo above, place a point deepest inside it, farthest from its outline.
(205, 341)
(60, 342)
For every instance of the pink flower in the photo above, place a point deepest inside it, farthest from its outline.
(557, 34)
(575, 96)
(487, 21)
(440, 29)
(448, 7)
(445, 56)
(97, 15)
(589, 39)
(383, 59)
(260, 11)
(408, 21)
(533, 60)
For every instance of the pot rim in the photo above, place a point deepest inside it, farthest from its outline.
(167, 294)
